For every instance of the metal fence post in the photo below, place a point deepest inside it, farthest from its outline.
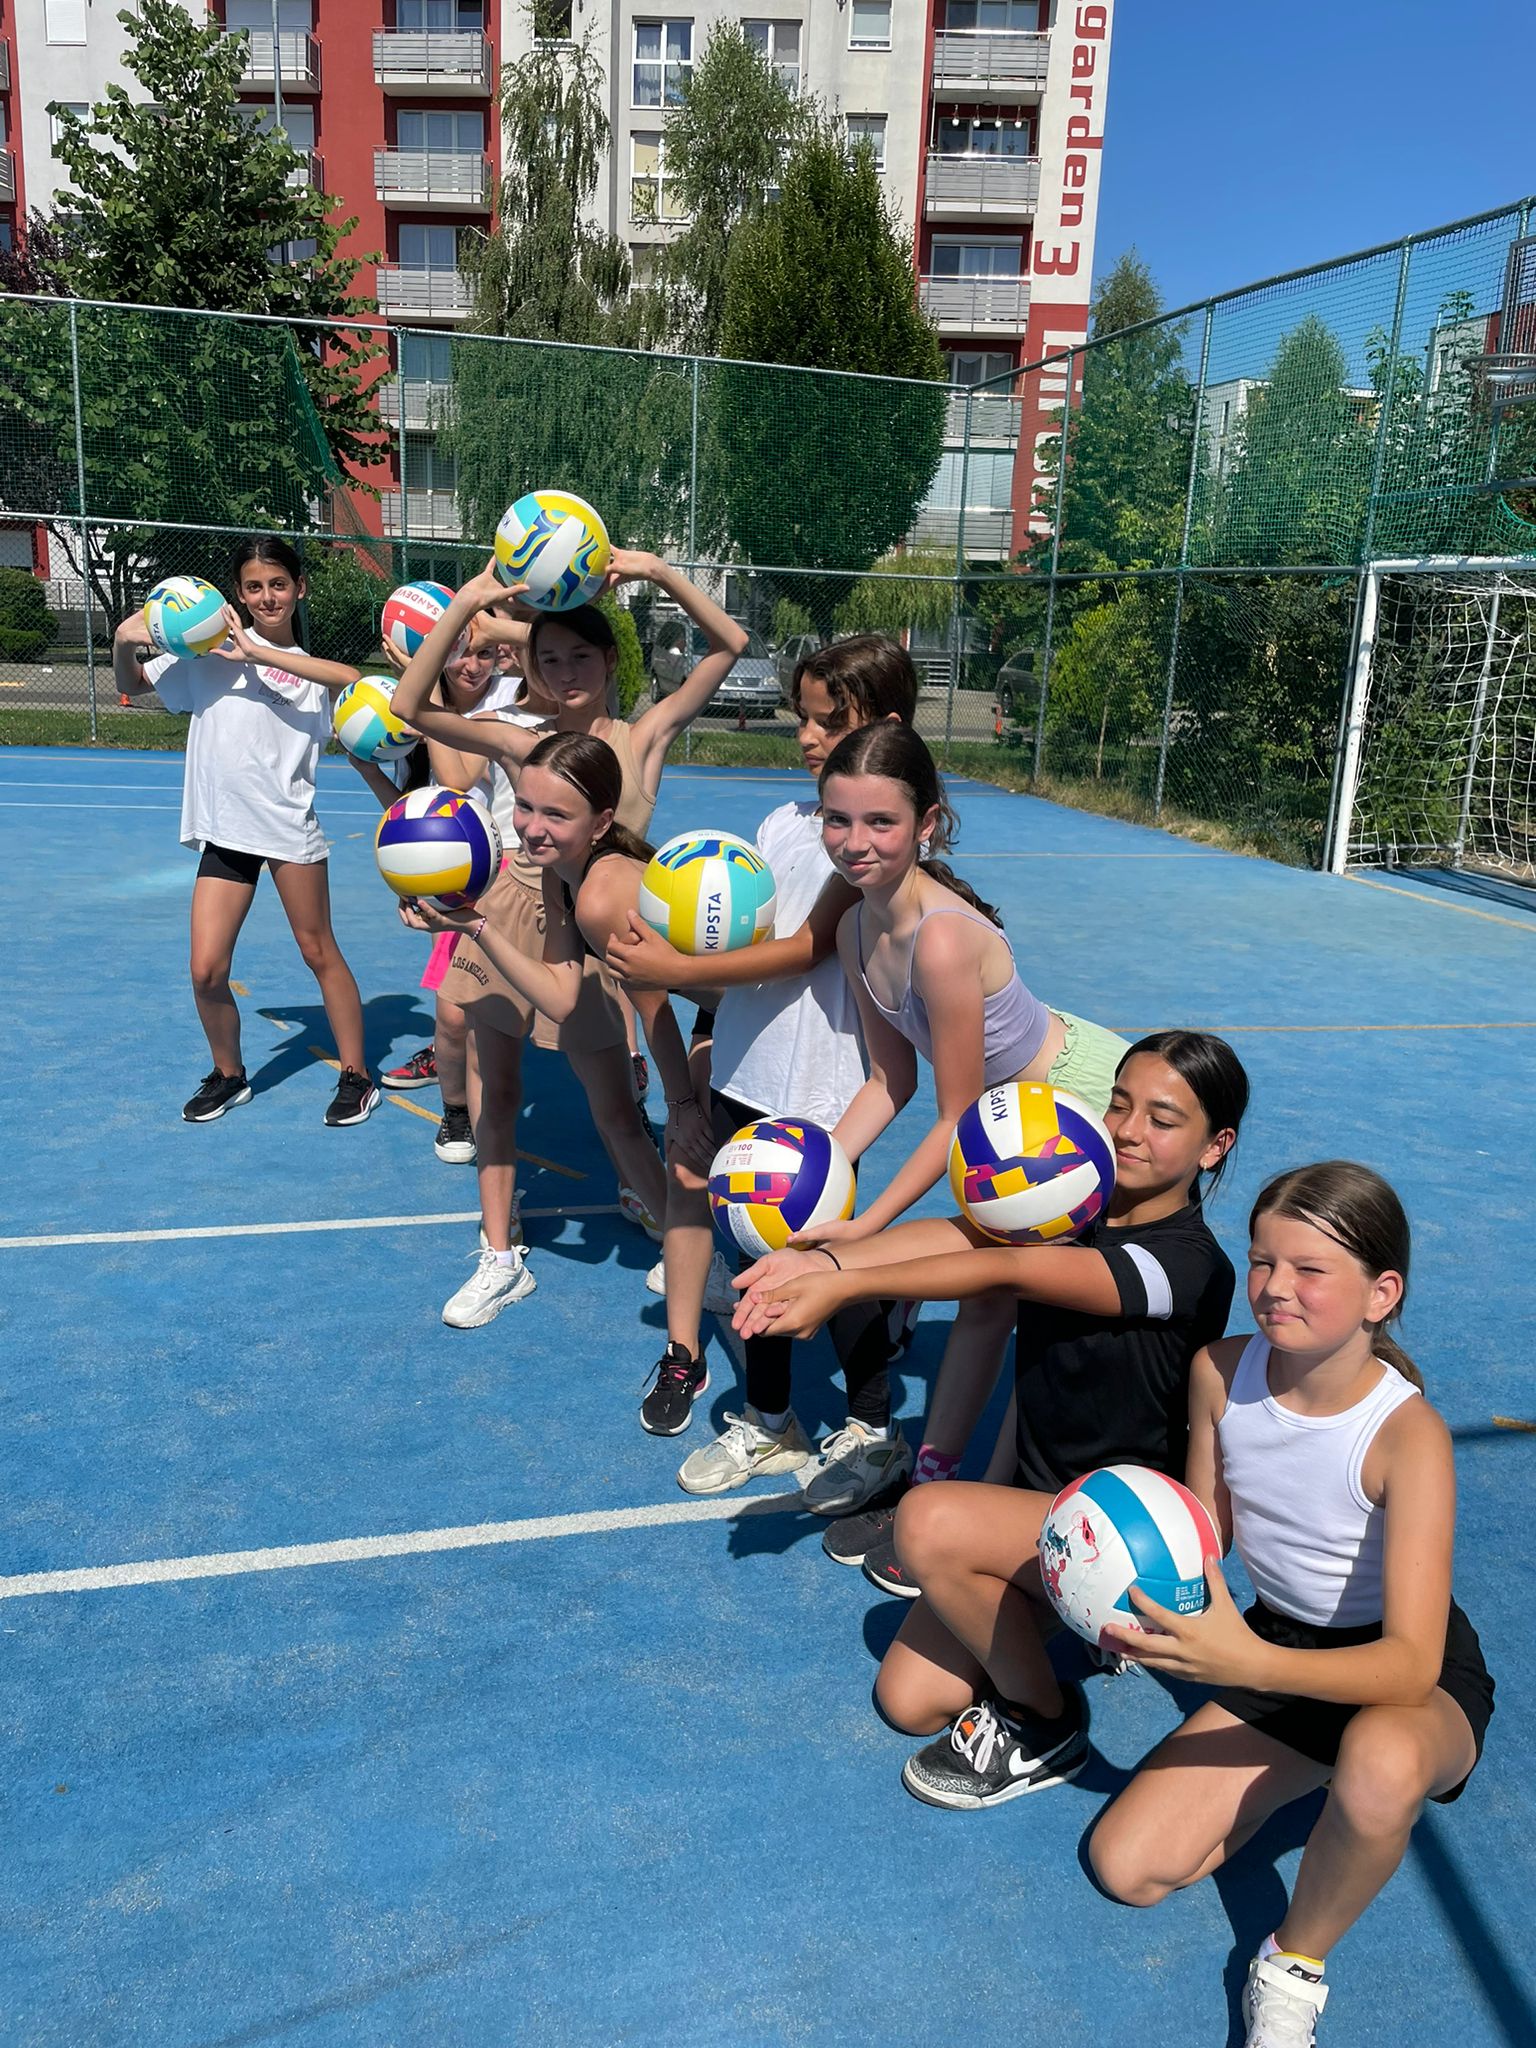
(1178, 586)
(1050, 588)
(1479, 708)
(85, 532)
(1383, 425)
(954, 601)
(693, 499)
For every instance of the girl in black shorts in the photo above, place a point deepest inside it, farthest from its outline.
(1313, 1447)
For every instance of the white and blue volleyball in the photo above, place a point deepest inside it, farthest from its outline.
(185, 616)
(555, 544)
(708, 892)
(364, 721)
(776, 1178)
(1030, 1164)
(1124, 1526)
(411, 612)
(440, 846)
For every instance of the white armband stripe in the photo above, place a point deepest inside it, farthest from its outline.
(1155, 1281)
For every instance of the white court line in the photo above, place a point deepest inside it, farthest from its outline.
(17, 1244)
(226, 1564)
(35, 804)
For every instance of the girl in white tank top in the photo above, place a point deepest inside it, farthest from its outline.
(1314, 1451)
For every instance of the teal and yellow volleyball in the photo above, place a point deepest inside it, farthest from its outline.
(708, 892)
(555, 544)
(364, 721)
(185, 616)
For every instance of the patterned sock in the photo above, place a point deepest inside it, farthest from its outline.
(933, 1464)
(1303, 1966)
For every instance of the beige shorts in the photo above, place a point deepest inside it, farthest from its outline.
(474, 981)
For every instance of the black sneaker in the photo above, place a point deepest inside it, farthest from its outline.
(993, 1753)
(852, 1537)
(885, 1571)
(419, 1071)
(355, 1099)
(217, 1093)
(455, 1140)
(667, 1409)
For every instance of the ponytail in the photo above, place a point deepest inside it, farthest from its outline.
(897, 753)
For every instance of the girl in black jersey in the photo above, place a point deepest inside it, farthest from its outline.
(1107, 1329)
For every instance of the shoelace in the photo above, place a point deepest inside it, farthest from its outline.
(1288, 2018)
(978, 1735)
(669, 1371)
(844, 1446)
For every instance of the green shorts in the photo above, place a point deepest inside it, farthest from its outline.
(1086, 1064)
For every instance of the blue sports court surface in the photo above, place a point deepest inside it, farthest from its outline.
(370, 1682)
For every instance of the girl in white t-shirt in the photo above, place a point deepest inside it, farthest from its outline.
(261, 711)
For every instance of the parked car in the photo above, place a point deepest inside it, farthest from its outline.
(1018, 687)
(751, 687)
(789, 658)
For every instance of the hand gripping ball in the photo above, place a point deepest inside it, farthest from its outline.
(775, 1179)
(1030, 1164)
(440, 846)
(555, 544)
(1124, 1526)
(185, 616)
(708, 892)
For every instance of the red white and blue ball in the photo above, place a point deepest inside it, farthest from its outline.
(708, 892)
(185, 616)
(1031, 1164)
(1124, 1526)
(364, 721)
(440, 846)
(555, 544)
(776, 1178)
(411, 612)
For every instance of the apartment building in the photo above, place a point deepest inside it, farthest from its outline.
(986, 118)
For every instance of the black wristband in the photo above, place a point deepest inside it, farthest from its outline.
(826, 1254)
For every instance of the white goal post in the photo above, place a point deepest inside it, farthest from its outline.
(1438, 763)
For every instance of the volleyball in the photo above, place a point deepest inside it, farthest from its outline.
(555, 544)
(776, 1178)
(364, 721)
(184, 616)
(1124, 1526)
(440, 846)
(411, 612)
(1030, 1164)
(708, 892)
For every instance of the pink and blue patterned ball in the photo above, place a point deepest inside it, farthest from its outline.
(1124, 1526)
(411, 612)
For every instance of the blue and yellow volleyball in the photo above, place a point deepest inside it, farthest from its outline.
(708, 892)
(364, 721)
(555, 543)
(185, 616)
(776, 1178)
(440, 846)
(1031, 1164)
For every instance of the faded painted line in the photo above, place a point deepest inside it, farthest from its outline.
(227, 1564)
(1439, 903)
(415, 1108)
(239, 988)
(1144, 1030)
(1514, 1422)
(1033, 853)
(210, 1230)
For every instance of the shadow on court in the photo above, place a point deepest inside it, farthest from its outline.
(387, 1019)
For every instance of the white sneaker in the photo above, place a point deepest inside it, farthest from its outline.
(1281, 2005)
(743, 1450)
(856, 1466)
(720, 1297)
(656, 1279)
(488, 1290)
(633, 1209)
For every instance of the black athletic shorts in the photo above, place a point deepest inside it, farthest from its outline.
(703, 1025)
(228, 864)
(1315, 1728)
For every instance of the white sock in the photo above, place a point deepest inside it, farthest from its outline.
(774, 1424)
(505, 1258)
(875, 1433)
(1270, 1948)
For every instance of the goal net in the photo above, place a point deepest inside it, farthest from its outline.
(1439, 760)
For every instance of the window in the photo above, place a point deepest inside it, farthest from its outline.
(458, 134)
(988, 479)
(986, 135)
(779, 42)
(869, 27)
(993, 14)
(869, 128)
(979, 366)
(952, 257)
(7, 244)
(428, 467)
(650, 195)
(439, 15)
(64, 21)
(80, 108)
(424, 247)
(298, 121)
(663, 62)
(294, 17)
(426, 358)
(552, 21)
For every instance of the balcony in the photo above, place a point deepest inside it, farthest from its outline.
(452, 178)
(310, 172)
(981, 64)
(414, 405)
(975, 305)
(423, 294)
(981, 187)
(421, 515)
(450, 62)
(994, 419)
(988, 530)
(7, 176)
(298, 54)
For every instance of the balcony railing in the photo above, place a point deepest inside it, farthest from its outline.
(973, 63)
(424, 294)
(431, 177)
(299, 55)
(423, 515)
(963, 187)
(988, 530)
(426, 61)
(310, 172)
(993, 419)
(7, 175)
(418, 404)
(975, 305)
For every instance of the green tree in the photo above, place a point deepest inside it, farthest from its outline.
(27, 626)
(1104, 672)
(913, 591)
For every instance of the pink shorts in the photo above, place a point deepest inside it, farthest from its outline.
(438, 959)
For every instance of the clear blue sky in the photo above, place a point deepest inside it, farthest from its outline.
(1245, 137)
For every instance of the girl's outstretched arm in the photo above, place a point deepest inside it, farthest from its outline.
(487, 737)
(642, 958)
(334, 676)
(552, 983)
(655, 730)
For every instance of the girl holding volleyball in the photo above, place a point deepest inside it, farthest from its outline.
(1107, 1327)
(1316, 1453)
(571, 656)
(261, 711)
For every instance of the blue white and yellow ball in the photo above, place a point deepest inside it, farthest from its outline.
(185, 616)
(1031, 1164)
(1124, 1526)
(364, 721)
(557, 545)
(411, 612)
(708, 892)
(440, 846)
(775, 1179)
